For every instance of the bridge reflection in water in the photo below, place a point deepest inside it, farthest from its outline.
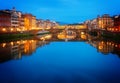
(16, 49)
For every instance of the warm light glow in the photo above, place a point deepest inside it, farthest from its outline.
(100, 47)
(3, 29)
(112, 44)
(102, 42)
(11, 43)
(24, 41)
(26, 47)
(83, 37)
(3, 45)
(112, 29)
(18, 42)
(48, 36)
(42, 38)
(116, 45)
(100, 22)
(11, 29)
(63, 35)
(18, 29)
(109, 43)
(82, 33)
(32, 40)
(116, 29)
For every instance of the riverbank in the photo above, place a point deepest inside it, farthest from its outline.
(15, 36)
(111, 36)
(93, 33)
(106, 35)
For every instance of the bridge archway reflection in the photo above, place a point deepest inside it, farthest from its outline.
(67, 35)
(72, 35)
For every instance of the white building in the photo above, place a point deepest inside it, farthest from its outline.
(15, 18)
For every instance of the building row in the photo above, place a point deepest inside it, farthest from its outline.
(104, 22)
(12, 21)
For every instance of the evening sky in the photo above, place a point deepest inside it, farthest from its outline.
(68, 11)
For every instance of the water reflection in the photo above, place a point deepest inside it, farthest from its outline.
(48, 59)
(106, 47)
(67, 35)
(17, 49)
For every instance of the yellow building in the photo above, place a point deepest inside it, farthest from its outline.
(33, 22)
(30, 21)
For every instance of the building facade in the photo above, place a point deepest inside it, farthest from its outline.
(33, 22)
(28, 21)
(91, 24)
(116, 27)
(5, 21)
(10, 20)
(105, 22)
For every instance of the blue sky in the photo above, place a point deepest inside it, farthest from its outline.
(68, 11)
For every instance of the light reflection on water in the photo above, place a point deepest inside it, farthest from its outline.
(42, 60)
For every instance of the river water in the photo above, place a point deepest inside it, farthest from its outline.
(49, 60)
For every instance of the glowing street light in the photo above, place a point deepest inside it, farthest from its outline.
(3, 29)
(11, 29)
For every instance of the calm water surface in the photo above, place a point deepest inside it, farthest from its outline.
(41, 61)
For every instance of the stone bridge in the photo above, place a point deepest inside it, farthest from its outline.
(81, 34)
(77, 31)
(56, 31)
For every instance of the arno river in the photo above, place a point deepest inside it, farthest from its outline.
(60, 59)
